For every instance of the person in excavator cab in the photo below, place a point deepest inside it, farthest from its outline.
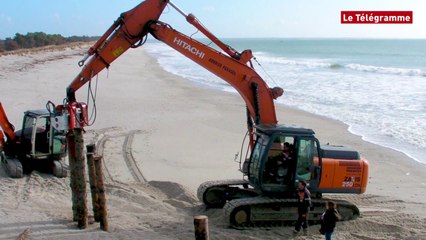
(277, 167)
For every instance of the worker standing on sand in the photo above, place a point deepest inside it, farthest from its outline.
(328, 220)
(303, 204)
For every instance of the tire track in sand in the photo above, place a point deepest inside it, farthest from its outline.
(22, 190)
(126, 152)
(100, 145)
(129, 159)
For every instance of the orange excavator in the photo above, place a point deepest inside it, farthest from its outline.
(263, 194)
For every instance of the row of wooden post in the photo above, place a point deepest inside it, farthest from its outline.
(97, 188)
(78, 181)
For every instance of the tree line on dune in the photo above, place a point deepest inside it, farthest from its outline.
(39, 39)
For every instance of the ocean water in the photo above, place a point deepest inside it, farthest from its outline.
(377, 87)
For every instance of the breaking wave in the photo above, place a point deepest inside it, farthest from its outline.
(323, 63)
(387, 70)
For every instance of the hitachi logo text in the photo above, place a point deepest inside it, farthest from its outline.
(189, 48)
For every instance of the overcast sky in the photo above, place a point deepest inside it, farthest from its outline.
(225, 18)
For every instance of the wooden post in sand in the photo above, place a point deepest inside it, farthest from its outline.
(77, 177)
(71, 157)
(96, 179)
(90, 155)
(201, 227)
(100, 187)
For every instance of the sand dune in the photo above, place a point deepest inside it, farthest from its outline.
(161, 136)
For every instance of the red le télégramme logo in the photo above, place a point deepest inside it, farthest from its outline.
(376, 17)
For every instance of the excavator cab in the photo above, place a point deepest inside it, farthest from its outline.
(39, 139)
(37, 146)
(283, 156)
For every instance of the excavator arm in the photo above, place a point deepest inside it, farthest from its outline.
(127, 30)
(256, 94)
(132, 26)
(6, 127)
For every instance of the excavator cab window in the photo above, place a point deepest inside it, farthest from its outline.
(27, 133)
(35, 135)
(279, 164)
(28, 127)
(307, 151)
(287, 159)
(256, 158)
(42, 137)
(58, 141)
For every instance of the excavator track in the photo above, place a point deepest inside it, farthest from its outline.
(13, 167)
(264, 211)
(215, 194)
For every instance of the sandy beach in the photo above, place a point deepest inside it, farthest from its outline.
(179, 134)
